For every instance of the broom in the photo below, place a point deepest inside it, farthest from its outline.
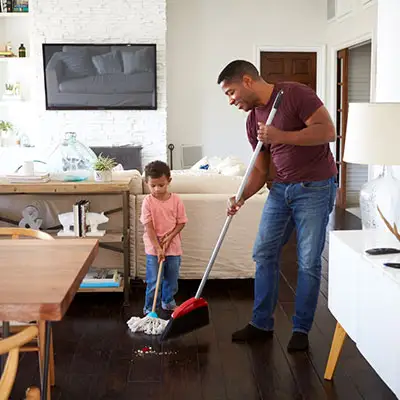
(150, 324)
(193, 313)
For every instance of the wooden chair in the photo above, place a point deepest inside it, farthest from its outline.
(12, 346)
(16, 326)
(16, 233)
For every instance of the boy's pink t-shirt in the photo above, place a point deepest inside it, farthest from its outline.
(164, 215)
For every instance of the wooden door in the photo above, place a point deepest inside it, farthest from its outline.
(288, 66)
(342, 105)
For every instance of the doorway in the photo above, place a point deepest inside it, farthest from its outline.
(291, 66)
(353, 85)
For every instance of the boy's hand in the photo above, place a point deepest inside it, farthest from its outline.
(163, 238)
(166, 241)
(160, 253)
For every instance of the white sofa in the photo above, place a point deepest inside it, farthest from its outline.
(205, 197)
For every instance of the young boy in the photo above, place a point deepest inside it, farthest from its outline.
(163, 216)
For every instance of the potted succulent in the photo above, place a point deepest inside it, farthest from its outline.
(103, 168)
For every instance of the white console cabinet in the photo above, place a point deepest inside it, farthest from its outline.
(364, 297)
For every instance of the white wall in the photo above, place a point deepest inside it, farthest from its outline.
(388, 54)
(356, 26)
(202, 37)
(388, 51)
(100, 21)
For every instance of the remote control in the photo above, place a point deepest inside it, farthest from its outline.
(382, 250)
(392, 265)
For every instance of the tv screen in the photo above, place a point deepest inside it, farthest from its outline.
(100, 77)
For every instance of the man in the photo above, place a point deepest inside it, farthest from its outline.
(301, 197)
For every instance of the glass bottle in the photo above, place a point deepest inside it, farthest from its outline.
(71, 160)
(22, 51)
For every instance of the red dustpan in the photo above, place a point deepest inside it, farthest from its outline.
(193, 313)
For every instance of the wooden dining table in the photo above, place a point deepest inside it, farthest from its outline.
(39, 280)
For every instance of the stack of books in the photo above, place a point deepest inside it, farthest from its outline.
(101, 278)
(36, 178)
(79, 209)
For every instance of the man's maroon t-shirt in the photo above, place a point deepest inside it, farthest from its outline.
(293, 163)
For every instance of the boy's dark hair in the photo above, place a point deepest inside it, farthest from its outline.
(156, 169)
(236, 69)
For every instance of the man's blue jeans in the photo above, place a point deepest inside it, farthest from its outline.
(305, 207)
(169, 286)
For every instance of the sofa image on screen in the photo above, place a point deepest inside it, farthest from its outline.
(100, 76)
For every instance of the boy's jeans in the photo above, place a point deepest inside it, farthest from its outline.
(306, 207)
(169, 285)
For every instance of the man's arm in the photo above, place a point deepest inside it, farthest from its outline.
(319, 130)
(257, 180)
(258, 176)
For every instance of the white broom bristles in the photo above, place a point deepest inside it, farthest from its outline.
(148, 325)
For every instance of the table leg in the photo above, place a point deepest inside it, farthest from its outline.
(336, 347)
(45, 395)
(5, 333)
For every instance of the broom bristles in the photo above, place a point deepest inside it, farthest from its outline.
(148, 325)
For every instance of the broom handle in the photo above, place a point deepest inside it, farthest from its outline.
(160, 268)
(238, 197)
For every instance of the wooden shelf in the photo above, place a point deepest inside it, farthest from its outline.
(110, 241)
(104, 289)
(109, 237)
(14, 59)
(115, 241)
(58, 187)
(14, 14)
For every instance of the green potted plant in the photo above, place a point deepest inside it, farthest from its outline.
(103, 168)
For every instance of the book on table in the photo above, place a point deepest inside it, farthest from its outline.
(104, 277)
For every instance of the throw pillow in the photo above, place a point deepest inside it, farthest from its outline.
(108, 63)
(78, 64)
(137, 61)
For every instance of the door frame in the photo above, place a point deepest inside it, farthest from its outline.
(370, 36)
(321, 61)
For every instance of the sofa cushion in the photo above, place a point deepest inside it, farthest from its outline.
(109, 84)
(187, 181)
(230, 165)
(136, 186)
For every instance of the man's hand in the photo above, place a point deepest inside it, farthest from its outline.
(268, 134)
(233, 206)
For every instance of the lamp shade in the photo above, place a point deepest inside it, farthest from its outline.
(373, 134)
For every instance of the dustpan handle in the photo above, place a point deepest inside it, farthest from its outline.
(238, 196)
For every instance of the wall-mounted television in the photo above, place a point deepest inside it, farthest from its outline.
(100, 76)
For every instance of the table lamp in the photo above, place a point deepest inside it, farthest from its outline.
(373, 137)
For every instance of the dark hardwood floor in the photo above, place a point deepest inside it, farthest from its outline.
(97, 357)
